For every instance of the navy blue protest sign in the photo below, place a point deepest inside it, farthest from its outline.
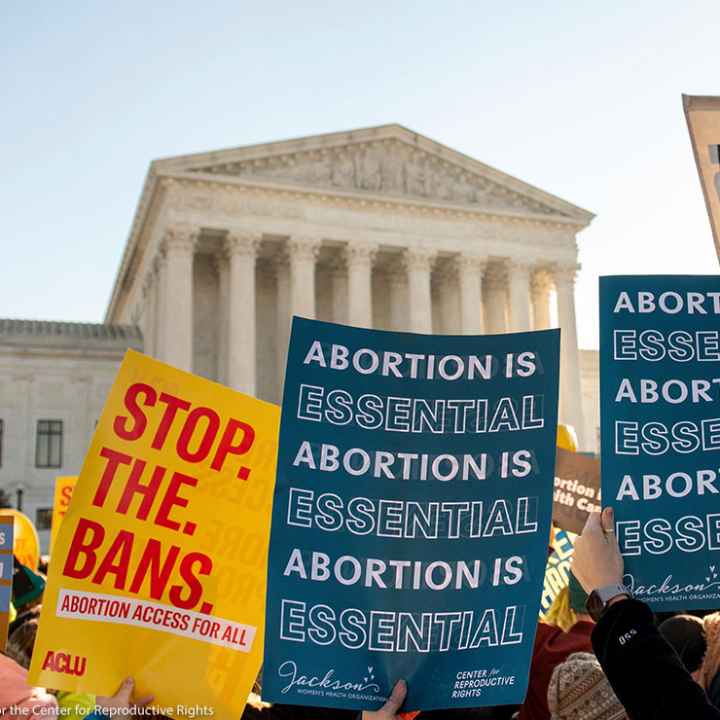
(660, 433)
(411, 516)
(6, 575)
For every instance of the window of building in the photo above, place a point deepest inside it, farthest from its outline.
(49, 444)
(43, 518)
(2, 432)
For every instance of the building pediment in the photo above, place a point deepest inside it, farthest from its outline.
(389, 160)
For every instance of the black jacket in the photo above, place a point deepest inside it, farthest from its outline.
(646, 674)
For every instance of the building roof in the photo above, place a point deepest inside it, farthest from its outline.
(69, 335)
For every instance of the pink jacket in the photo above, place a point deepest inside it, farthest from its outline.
(16, 693)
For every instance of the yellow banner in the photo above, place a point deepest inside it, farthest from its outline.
(702, 113)
(159, 568)
(64, 486)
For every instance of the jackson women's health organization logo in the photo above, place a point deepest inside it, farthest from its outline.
(329, 684)
(707, 587)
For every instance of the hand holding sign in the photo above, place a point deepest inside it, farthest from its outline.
(390, 709)
(597, 561)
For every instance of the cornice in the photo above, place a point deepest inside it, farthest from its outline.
(394, 131)
(366, 201)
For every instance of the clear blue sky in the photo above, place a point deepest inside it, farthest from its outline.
(581, 99)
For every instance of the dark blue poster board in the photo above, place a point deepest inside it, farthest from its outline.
(411, 516)
(660, 433)
(6, 574)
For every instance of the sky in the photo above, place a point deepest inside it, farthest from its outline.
(581, 99)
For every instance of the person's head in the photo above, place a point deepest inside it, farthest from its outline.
(579, 690)
(21, 641)
(686, 635)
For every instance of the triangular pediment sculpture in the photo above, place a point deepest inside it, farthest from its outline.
(385, 161)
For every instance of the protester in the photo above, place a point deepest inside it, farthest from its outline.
(645, 672)
(697, 643)
(686, 635)
(552, 646)
(579, 690)
(21, 636)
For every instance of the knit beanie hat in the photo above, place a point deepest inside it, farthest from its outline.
(579, 690)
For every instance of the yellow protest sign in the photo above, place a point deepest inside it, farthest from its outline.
(26, 544)
(64, 485)
(160, 563)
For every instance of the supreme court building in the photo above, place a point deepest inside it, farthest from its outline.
(379, 227)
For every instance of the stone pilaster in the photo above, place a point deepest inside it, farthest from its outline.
(470, 269)
(359, 258)
(242, 250)
(418, 265)
(571, 411)
(179, 249)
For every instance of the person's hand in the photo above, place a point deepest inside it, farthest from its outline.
(122, 699)
(597, 561)
(390, 708)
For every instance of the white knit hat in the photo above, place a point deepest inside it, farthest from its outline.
(579, 690)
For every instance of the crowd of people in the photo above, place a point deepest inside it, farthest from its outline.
(614, 662)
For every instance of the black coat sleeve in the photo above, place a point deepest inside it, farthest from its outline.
(646, 674)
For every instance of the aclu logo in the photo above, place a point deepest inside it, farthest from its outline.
(65, 663)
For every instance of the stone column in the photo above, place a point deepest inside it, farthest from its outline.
(445, 287)
(418, 265)
(540, 292)
(339, 280)
(149, 296)
(571, 411)
(282, 279)
(495, 298)
(398, 299)
(470, 269)
(222, 268)
(359, 258)
(179, 245)
(160, 295)
(303, 252)
(241, 351)
(519, 280)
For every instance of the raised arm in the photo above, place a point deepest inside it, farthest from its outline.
(644, 671)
